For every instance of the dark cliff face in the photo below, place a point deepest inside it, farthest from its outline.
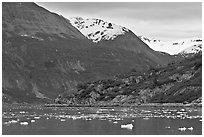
(43, 55)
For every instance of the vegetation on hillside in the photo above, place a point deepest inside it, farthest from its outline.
(179, 82)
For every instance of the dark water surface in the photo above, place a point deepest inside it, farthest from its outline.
(32, 120)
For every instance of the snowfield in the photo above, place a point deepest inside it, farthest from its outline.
(184, 46)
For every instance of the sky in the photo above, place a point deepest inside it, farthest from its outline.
(166, 21)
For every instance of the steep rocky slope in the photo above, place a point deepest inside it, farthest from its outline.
(43, 55)
(179, 82)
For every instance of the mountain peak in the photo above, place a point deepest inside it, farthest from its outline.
(97, 29)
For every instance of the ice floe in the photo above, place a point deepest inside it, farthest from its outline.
(36, 117)
(62, 119)
(23, 123)
(128, 126)
(182, 128)
(190, 128)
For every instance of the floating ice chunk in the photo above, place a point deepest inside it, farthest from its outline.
(47, 118)
(128, 126)
(118, 119)
(146, 118)
(10, 122)
(62, 120)
(190, 128)
(182, 109)
(36, 117)
(24, 123)
(167, 127)
(182, 128)
(168, 116)
(88, 119)
(32, 121)
(115, 122)
(13, 121)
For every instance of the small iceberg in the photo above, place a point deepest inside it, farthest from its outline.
(190, 128)
(13, 121)
(182, 110)
(62, 120)
(146, 118)
(10, 122)
(24, 123)
(128, 126)
(115, 122)
(32, 121)
(179, 112)
(182, 128)
(36, 117)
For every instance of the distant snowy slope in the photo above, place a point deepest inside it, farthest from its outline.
(97, 29)
(193, 49)
(174, 47)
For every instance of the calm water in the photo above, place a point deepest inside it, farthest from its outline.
(105, 121)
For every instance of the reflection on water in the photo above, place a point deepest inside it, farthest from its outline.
(93, 120)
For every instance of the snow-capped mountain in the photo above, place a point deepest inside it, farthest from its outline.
(191, 45)
(193, 49)
(97, 29)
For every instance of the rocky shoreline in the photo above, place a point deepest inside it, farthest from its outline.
(129, 105)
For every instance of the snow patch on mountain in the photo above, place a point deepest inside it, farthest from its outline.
(97, 29)
(193, 49)
(191, 45)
